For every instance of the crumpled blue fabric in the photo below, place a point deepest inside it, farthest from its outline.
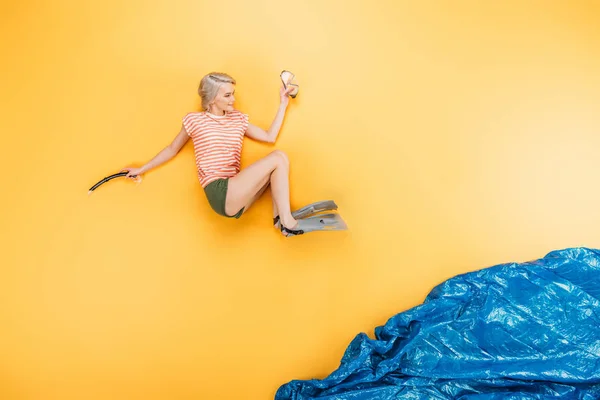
(512, 331)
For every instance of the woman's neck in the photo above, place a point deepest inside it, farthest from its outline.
(216, 112)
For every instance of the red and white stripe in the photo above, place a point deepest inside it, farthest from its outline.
(217, 143)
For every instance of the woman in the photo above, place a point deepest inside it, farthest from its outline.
(217, 134)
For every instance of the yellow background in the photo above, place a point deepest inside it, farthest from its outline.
(454, 135)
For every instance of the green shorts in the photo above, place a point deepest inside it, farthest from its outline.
(216, 193)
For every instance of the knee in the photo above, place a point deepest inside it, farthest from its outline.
(282, 158)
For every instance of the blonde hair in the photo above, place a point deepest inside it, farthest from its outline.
(209, 87)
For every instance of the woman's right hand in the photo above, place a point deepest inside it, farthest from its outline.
(133, 173)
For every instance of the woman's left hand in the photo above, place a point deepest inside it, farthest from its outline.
(285, 94)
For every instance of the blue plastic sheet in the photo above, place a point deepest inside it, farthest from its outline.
(513, 331)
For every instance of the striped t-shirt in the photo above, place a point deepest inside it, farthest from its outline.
(217, 143)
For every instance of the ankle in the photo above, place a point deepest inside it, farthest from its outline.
(289, 222)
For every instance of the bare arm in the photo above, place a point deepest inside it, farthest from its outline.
(163, 156)
(270, 136)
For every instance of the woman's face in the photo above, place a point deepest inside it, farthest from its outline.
(224, 99)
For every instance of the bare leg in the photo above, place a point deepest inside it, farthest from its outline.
(275, 211)
(244, 187)
(257, 196)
